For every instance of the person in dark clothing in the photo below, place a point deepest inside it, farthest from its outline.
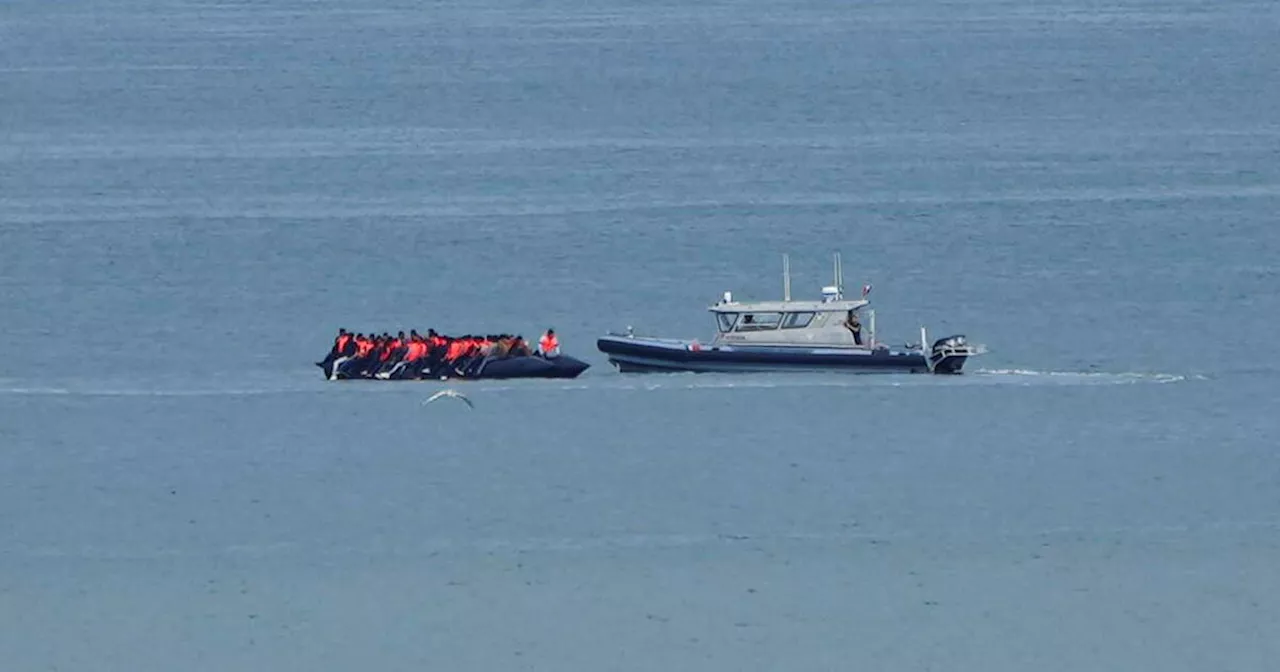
(854, 326)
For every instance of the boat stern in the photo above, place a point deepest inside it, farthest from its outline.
(948, 355)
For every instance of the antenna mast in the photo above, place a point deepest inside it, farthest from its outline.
(839, 273)
(786, 278)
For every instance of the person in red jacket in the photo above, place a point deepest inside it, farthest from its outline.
(549, 345)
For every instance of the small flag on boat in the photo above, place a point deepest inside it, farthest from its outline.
(866, 289)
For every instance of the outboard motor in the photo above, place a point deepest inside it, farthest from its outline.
(949, 354)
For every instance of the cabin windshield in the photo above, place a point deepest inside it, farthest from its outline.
(797, 320)
(726, 320)
(759, 321)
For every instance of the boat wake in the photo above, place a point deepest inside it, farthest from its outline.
(982, 377)
(748, 538)
(606, 382)
(1027, 376)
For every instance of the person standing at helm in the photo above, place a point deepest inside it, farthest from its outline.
(549, 345)
(854, 326)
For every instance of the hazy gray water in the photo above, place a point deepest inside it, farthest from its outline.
(193, 196)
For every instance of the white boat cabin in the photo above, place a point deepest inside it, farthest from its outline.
(832, 322)
(797, 323)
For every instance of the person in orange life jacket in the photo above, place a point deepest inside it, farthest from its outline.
(339, 344)
(366, 354)
(484, 350)
(549, 345)
(364, 347)
(386, 346)
(436, 346)
(387, 355)
(349, 356)
(393, 354)
(465, 342)
(420, 356)
(417, 349)
(471, 352)
(455, 349)
(461, 352)
(411, 365)
(409, 348)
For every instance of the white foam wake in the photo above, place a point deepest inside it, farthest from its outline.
(605, 382)
(1092, 377)
(1113, 535)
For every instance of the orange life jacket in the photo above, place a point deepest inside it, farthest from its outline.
(548, 343)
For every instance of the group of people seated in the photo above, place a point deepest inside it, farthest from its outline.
(415, 355)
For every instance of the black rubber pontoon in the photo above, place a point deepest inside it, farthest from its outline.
(489, 368)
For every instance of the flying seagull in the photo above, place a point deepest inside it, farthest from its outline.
(448, 393)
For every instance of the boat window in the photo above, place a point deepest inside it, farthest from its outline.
(759, 321)
(726, 320)
(797, 320)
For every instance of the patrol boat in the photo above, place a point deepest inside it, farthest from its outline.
(787, 335)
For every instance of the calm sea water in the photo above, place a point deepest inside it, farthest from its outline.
(195, 195)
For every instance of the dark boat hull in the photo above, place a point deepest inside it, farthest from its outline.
(532, 366)
(644, 355)
(562, 366)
